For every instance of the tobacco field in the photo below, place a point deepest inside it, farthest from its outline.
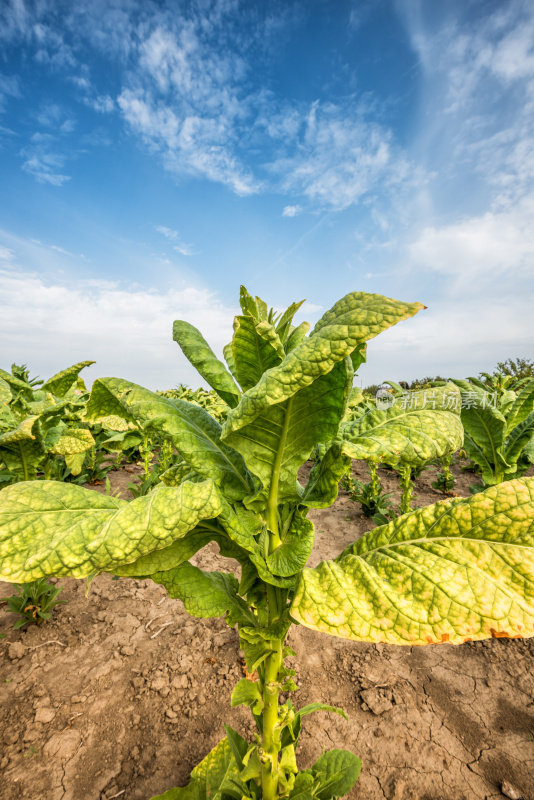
(279, 588)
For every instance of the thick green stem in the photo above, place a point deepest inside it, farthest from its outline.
(24, 464)
(271, 742)
(405, 474)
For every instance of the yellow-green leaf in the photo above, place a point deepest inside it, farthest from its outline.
(418, 427)
(74, 440)
(50, 528)
(459, 570)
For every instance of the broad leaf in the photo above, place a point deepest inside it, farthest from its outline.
(204, 594)
(323, 483)
(418, 427)
(60, 383)
(16, 383)
(73, 440)
(522, 406)
(336, 772)
(49, 528)
(193, 431)
(459, 570)
(246, 693)
(296, 548)
(216, 775)
(253, 350)
(353, 320)
(296, 336)
(5, 393)
(485, 430)
(23, 432)
(202, 357)
(518, 440)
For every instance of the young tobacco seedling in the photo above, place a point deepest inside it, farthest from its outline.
(33, 602)
(371, 495)
(462, 569)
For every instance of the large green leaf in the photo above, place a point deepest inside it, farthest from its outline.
(323, 483)
(296, 548)
(202, 357)
(216, 775)
(49, 528)
(16, 383)
(73, 440)
(24, 458)
(336, 772)
(60, 383)
(193, 430)
(485, 430)
(276, 443)
(522, 406)
(253, 350)
(5, 393)
(418, 427)
(204, 594)
(519, 439)
(459, 570)
(23, 432)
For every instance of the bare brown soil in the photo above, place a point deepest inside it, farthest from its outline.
(122, 693)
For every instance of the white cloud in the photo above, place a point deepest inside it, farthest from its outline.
(340, 157)
(477, 250)
(189, 145)
(42, 168)
(9, 87)
(103, 103)
(291, 211)
(127, 330)
(478, 97)
(174, 236)
(167, 232)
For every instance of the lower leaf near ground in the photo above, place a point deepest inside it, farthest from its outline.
(459, 570)
(215, 776)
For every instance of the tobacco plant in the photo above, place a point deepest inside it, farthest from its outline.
(500, 440)
(40, 421)
(371, 496)
(462, 569)
(33, 602)
(407, 431)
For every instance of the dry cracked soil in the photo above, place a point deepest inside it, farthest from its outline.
(121, 693)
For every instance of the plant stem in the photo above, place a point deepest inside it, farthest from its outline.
(373, 479)
(24, 464)
(271, 744)
(405, 475)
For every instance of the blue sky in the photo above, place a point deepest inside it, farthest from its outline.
(155, 155)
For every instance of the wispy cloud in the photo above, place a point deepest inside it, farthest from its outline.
(10, 86)
(339, 157)
(291, 211)
(174, 236)
(478, 96)
(44, 168)
(102, 103)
